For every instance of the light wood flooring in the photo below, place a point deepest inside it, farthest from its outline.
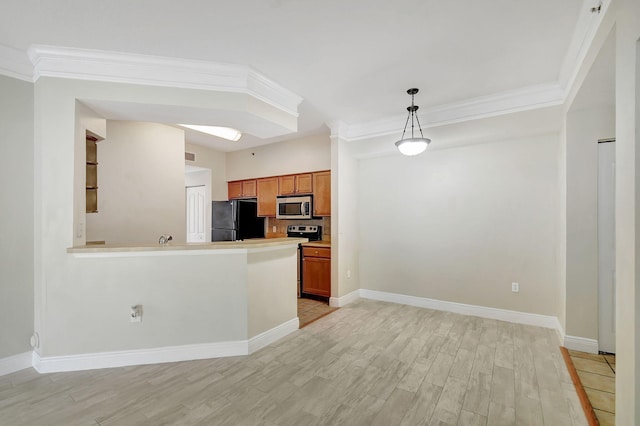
(368, 363)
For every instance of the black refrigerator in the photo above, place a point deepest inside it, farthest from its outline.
(236, 220)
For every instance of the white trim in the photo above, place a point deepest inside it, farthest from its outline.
(119, 67)
(524, 99)
(15, 363)
(180, 249)
(339, 302)
(581, 344)
(100, 360)
(461, 308)
(137, 357)
(583, 36)
(15, 63)
(151, 252)
(560, 333)
(268, 337)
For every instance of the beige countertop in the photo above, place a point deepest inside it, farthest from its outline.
(321, 244)
(173, 246)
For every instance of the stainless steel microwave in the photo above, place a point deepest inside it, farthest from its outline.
(295, 207)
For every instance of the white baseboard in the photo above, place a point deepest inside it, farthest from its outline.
(100, 360)
(15, 363)
(95, 361)
(338, 302)
(560, 334)
(264, 339)
(461, 308)
(581, 344)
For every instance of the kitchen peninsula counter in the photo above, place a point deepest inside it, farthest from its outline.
(200, 300)
(258, 243)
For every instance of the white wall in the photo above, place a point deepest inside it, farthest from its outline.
(86, 120)
(214, 161)
(345, 216)
(140, 184)
(627, 212)
(583, 129)
(462, 224)
(295, 156)
(272, 289)
(187, 299)
(590, 115)
(67, 294)
(16, 223)
(561, 261)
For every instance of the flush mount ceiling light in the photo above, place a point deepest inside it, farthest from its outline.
(221, 132)
(412, 145)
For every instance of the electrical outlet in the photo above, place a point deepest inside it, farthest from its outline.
(136, 313)
(275, 229)
(348, 273)
(515, 287)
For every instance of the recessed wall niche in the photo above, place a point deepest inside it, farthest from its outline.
(92, 173)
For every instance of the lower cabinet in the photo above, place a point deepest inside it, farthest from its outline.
(316, 271)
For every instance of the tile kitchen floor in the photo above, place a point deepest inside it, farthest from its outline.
(310, 310)
(368, 363)
(597, 374)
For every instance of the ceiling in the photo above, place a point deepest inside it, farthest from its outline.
(349, 60)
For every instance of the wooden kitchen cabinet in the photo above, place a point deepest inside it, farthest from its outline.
(304, 183)
(235, 190)
(242, 189)
(322, 193)
(267, 192)
(316, 271)
(295, 184)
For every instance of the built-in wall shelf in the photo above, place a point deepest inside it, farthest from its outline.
(92, 174)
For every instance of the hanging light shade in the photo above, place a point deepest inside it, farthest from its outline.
(412, 145)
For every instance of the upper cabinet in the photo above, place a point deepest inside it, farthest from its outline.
(267, 192)
(267, 189)
(322, 193)
(242, 189)
(295, 184)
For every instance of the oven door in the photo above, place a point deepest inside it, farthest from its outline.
(294, 207)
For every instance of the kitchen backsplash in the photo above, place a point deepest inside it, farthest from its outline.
(281, 225)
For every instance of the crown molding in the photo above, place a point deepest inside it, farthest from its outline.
(15, 63)
(270, 92)
(524, 99)
(338, 128)
(119, 67)
(88, 64)
(583, 36)
(512, 101)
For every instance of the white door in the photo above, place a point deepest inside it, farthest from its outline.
(196, 214)
(606, 247)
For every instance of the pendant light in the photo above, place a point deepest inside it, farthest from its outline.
(412, 145)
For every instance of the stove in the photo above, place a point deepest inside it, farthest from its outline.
(312, 232)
